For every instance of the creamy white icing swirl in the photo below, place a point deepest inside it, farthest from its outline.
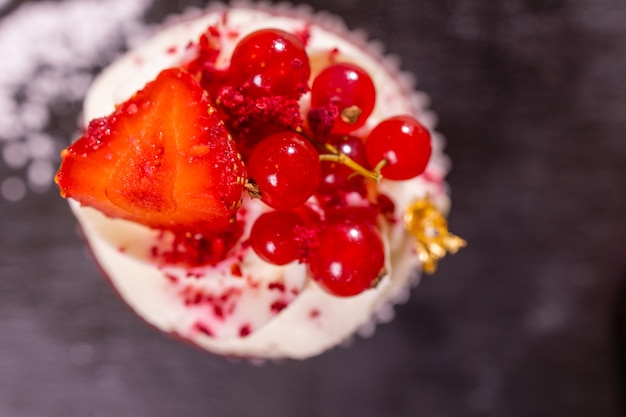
(257, 310)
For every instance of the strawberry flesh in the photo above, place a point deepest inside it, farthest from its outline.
(163, 159)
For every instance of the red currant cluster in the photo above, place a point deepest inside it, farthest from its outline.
(324, 153)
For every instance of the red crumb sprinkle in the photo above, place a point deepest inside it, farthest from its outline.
(321, 119)
(204, 65)
(306, 239)
(213, 31)
(122, 249)
(232, 34)
(252, 283)
(315, 313)
(278, 306)
(333, 54)
(304, 34)
(199, 249)
(203, 328)
(218, 311)
(171, 278)
(193, 274)
(386, 207)
(244, 111)
(172, 50)
(221, 306)
(245, 330)
(276, 286)
(235, 270)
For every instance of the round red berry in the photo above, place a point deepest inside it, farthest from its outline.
(349, 258)
(348, 87)
(337, 177)
(286, 168)
(274, 238)
(403, 143)
(270, 62)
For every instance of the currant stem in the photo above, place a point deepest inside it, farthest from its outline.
(380, 165)
(342, 158)
(252, 188)
(336, 156)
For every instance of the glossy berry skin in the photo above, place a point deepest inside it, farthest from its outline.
(344, 85)
(337, 177)
(349, 258)
(270, 62)
(274, 238)
(286, 168)
(404, 143)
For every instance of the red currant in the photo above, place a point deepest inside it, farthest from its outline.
(270, 62)
(273, 237)
(403, 143)
(348, 87)
(349, 258)
(366, 213)
(337, 177)
(286, 168)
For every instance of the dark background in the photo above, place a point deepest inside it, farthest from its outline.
(524, 322)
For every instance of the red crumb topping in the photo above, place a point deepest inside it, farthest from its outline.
(245, 330)
(314, 313)
(251, 282)
(243, 111)
(235, 270)
(218, 311)
(221, 306)
(171, 278)
(200, 249)
(203, 66)
(203, 328)
(276, 286)
(386, 207)
(321, 119)
(277, 306)
(304, 34)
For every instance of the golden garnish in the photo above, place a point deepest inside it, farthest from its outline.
(430, 229)
(350, 115)
(252, 188)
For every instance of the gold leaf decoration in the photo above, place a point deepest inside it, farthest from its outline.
(430, 229)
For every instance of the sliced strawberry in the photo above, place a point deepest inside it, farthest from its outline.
(163, 159)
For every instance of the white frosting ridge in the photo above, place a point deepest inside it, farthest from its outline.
(262, 310)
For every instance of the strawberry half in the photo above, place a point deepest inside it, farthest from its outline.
(163, 159)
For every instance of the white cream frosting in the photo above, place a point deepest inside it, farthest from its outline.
(231, 305)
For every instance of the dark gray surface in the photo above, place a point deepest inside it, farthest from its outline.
(532, 98)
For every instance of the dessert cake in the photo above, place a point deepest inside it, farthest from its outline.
(259, 182)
